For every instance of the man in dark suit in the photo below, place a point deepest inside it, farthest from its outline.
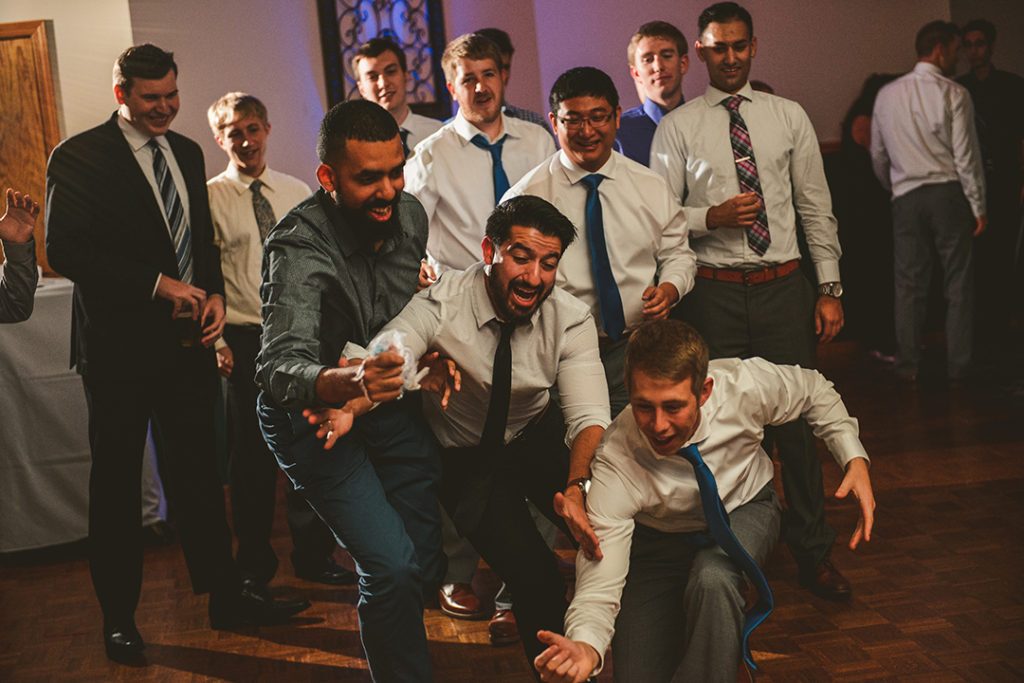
(128, 221)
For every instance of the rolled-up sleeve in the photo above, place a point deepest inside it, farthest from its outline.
(582, 388)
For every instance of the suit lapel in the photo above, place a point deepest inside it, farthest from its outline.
(138, 190)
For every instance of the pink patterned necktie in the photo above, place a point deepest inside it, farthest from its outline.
(758, 236)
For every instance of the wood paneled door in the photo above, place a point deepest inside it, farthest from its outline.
(28, 114)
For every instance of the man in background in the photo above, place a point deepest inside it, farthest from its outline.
(658, 60)
(504, 43)
(245, 203)
(128, 221)
(924, 148)
(998, 98)
(746, 164)
(383, 77)
(461, 172)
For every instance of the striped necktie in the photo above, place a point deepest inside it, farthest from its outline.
(746, 169)
(176, 221)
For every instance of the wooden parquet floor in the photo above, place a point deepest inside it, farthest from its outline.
(935, 591)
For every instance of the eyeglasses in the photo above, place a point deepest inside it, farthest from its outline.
(597, 120)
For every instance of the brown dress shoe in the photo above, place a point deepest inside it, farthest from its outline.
(826, 582)
(502, 629)
(458, 600)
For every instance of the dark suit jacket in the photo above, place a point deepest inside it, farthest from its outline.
(105, 231)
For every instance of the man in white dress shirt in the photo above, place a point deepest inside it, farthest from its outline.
(747, 166)
(646, 509)
(245, 202)
(924, 147)
(642, 225)
(383, 77)
(461, 172)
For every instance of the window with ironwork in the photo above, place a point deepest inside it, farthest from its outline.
(416, 26)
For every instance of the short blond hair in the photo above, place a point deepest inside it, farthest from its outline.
(469, 46)
(223, 110)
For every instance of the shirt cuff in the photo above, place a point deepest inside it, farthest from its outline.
(156, 285)
(827, 271)
(598, 641)
(845, 448)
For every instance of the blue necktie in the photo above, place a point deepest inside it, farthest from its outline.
(612, 317)
(718, 526)
(501, 184)
(180, 235)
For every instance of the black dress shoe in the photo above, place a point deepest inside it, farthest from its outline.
(123, 642)
(251, 606)
(825, 581)
(159, 534)
(332, 574)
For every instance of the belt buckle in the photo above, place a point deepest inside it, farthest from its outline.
(748, 277)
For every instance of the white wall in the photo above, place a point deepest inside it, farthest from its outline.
(817, 53)
(88, 37)
(267, 48)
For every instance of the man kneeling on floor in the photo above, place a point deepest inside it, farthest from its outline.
(670, 536)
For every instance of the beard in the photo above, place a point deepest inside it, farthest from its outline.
(367, 230)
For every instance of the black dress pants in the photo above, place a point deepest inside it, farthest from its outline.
(181, 400)
(533, 466)
(252, 476)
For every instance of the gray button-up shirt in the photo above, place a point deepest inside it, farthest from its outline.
(557, 346)
(324, 287)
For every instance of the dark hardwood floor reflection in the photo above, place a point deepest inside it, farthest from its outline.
(935, 591)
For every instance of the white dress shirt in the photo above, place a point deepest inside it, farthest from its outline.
(693, 152)
(922, 133)
(139, 142)
(237, 234)
(452, 178)
(632, 483)
(557, 346)
(644, 226)
(420, 128)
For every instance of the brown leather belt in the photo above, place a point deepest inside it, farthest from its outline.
(748, 277)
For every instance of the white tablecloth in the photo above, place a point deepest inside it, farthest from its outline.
(44, 439)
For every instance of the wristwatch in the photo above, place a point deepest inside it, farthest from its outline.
(582, 483)
(832, 289)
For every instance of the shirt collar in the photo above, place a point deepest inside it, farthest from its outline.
(241, 181)
(137, 139)
(654, 110)
(575, 174)
(713, 96)
(467, 130)
(928, 68)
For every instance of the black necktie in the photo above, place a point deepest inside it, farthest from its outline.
(501, 390)
(718, 526)
(405, 141)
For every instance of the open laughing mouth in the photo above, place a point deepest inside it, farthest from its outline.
(522, 296)
(380, 214)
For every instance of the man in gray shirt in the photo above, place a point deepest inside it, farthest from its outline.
(336, 268)
(514, 336)
(19, 275)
